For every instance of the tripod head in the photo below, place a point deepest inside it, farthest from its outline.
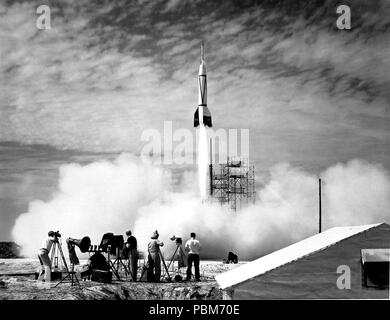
(56, 235)
(178, 240)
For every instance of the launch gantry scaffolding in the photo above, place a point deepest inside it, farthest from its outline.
(232, 183)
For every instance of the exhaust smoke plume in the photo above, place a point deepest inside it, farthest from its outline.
(113, 196)
(202, 162)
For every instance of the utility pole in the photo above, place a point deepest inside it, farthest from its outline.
(211, 169)
(320, 208)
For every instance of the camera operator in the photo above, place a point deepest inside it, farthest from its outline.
(154, 261)
(43, 255)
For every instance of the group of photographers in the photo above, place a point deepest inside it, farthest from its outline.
(153, 274)
(130, 251)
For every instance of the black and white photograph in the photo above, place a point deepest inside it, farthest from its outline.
(194, 150)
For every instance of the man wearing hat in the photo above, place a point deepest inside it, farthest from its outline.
(132, 252)
(154, 261)
(43, 256)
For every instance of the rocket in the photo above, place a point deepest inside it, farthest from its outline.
(202, 114)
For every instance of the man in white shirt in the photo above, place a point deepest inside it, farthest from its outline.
(43, 255)
(193, 247)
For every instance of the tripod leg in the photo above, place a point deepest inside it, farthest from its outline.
(62, 280)
(74, 276)
(52, 254)
(112, 266)
(144, 269)
(63, 258)
(173, 257)
(165, 266)
(127, 270)
(70, 275)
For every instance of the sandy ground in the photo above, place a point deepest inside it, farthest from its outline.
(17, 282)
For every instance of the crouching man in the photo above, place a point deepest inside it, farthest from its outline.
(43, 255)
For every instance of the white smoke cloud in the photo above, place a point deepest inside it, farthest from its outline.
(113, 196)
(356, 191)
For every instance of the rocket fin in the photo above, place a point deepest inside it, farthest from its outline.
(207, 117)
(196, 118)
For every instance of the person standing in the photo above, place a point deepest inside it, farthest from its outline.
(154, 261)
(43, 256)
(193, 247)
(131, 246)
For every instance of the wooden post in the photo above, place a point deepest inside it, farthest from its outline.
(320, 208)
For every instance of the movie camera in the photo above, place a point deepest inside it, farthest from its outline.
(178, 240)
(111, 243)
(55, 234)
(178, 255)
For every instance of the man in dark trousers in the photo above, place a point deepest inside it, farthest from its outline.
(193, 247)
(132, 252)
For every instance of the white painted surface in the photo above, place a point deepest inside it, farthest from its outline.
(288, 254)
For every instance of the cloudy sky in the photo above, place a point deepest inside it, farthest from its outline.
(310, 94)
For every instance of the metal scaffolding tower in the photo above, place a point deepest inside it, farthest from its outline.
(232, 183)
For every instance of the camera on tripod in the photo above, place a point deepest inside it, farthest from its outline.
(55, 234)
(178, 240)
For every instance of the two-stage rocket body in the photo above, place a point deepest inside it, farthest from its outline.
(202, 114)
